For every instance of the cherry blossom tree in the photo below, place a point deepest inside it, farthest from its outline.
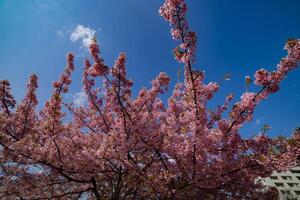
(119, 147)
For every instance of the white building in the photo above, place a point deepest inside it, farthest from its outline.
(287, 183)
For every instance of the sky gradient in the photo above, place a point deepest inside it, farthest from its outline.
(236, 37)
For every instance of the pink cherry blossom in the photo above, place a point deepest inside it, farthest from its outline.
(126, 146)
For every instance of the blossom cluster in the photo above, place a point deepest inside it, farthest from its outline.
(99, 68)
(122, 146)
(174, 11)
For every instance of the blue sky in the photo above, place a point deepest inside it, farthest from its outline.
(236, 37)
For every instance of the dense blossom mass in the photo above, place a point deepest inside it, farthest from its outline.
(119, 147)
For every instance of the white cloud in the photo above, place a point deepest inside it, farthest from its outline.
(85, 34)
(80, 98)
(60, 33)
(257, 122)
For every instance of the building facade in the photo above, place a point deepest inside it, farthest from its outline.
(287, 183)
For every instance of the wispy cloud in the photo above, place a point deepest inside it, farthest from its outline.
(257, 122)
(60, 33)
(80, 98)
(85, 34)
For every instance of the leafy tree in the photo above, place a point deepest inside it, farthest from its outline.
(120, 147)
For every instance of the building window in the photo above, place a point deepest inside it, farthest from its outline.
(279, 184)
(286, 177)
(292, 184)
(294, 171)
(285, 192)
